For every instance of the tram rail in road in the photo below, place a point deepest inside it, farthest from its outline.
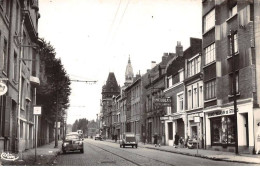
(127, 159)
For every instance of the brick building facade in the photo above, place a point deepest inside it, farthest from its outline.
(220, 18)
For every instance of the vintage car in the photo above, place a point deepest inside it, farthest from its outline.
(72, 142)
(128, 139)
(98, 137)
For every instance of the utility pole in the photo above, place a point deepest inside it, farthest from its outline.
(232, 33)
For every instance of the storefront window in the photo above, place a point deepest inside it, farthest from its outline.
(222, 130)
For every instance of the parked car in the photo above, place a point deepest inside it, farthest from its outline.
(72, 142)
(192, 144)
(80, 132)
(98, 137)
(128, 139)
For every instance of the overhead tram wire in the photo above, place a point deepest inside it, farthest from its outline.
(121, 18)
(86, 81)
(113, 22)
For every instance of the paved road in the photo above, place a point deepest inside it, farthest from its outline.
(101, 153)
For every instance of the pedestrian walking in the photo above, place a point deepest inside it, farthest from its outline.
(176, 141)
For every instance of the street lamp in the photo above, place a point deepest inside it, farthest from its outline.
(231, 36)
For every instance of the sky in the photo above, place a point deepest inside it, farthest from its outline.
(95, 37)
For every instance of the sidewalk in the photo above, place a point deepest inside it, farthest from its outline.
(46, 154)
(208, 154)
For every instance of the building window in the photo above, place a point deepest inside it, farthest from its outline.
(233, 11)
(210, 54)
(235, 45)
(4, 57)
(210, 88)
(222, 130)
(231, 83)
(195, 97)
(15, 67)
(209, 20)
(193, 66)
(22, 93)
(181, 75)
(169, 110)
(7, 8)
(201, 96)
(17, 17)
(180, 102)
(21, 129)
(189, 99)
(169, 80)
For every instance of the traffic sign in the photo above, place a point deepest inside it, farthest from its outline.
(37, 110)
(3, 88)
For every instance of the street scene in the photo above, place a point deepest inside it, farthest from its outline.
(130, 83)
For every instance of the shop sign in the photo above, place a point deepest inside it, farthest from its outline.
(196, 119)
(3, 88)
(163, 102)
(221, 113)
(164, 118)
(176, 117)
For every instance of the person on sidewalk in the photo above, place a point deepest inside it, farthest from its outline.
(155, 140)
(115, 138)
(181, 143)
(176, 141)
(186, 142)
(159, 140)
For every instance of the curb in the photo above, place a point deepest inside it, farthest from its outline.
(195, 155)
(51, 161)
(201, 156)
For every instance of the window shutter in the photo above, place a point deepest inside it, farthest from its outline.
(8, 105)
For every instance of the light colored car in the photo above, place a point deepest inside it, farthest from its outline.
(72, 142)
(98, 137)
(128, 139)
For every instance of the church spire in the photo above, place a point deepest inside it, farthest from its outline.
(129, 61)
(129, 75)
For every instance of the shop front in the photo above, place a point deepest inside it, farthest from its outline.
(195, 131)
(174, 125)
(220, 129)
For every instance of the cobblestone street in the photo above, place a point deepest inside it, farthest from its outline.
(101, 153)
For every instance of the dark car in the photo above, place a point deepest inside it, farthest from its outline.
(72, 142)
(128, 140)
(98, 137)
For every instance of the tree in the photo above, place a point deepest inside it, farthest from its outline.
(81, 124)
(54, 91)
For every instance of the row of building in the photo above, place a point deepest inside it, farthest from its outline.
(20, 73)
(192, 92)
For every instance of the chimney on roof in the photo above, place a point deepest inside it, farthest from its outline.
(164, 58)
(153, 64)
(179, 49)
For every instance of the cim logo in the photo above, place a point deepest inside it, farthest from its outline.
(9, 157)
